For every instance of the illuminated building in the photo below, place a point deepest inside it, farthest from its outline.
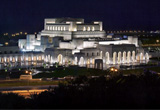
(71, 40)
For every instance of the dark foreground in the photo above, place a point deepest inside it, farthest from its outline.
(119, 92)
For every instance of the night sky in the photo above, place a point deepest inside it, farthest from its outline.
(29, 15)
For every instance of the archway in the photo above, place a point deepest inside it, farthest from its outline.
(2, 60)
(34, 58)
(93, 61)
(119, 57)
(66, 61)
(39, 58)
(141, 56)
(138, 58)
(124, 57)
(46, 59)
(81, 62)
(133, 56)
(76, 60)
(29, 59)
(128, 57)
(13, 59)
(8, 60)
(146, 56)
(88, 62)
(114, 57)
(19, 59)
(60, 59)
(49, 58)
(51, 61)
(16, 58)
(107, 58)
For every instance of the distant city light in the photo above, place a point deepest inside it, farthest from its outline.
(26, 72)
(157, 41)
(6, 43)
(112, 69)
(17, 34)
(116, 70)
(13, 35)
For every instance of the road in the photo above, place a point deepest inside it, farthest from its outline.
(26, 91)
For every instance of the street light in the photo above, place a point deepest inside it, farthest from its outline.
(112, 69)
(157, 41)
(6, 43)
(116, 70)
(30, 73)
(26, 72)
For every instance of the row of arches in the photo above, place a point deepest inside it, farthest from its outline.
(60, 59)
(127, 57)
(20, 58)
(116, 58)
(124, 57)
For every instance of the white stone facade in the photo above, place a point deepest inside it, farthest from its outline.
(71, 40)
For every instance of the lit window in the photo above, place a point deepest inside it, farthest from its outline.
(84, 28)
(64, 28)
(53, 27)
(48, 27)
(89, 29)
(93, 29)
(61, 28)
(68, 22)
(56, 28)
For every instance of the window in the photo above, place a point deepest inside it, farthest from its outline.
(93, 29)
(84, 28)
(87, 54)
(61, 28)
(48, 27)
(11, 52)
(53, 27)
(5, 52)
(89, 29)
(92, 54)
(56, 28)
(64, 29)
(97, 53)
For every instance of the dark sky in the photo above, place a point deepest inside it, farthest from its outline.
(28, 15)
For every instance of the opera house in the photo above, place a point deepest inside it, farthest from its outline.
(71, 40)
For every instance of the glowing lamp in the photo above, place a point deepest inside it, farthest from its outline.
(112, 69)
(6, 43)
(116, 70)
(26, 72)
